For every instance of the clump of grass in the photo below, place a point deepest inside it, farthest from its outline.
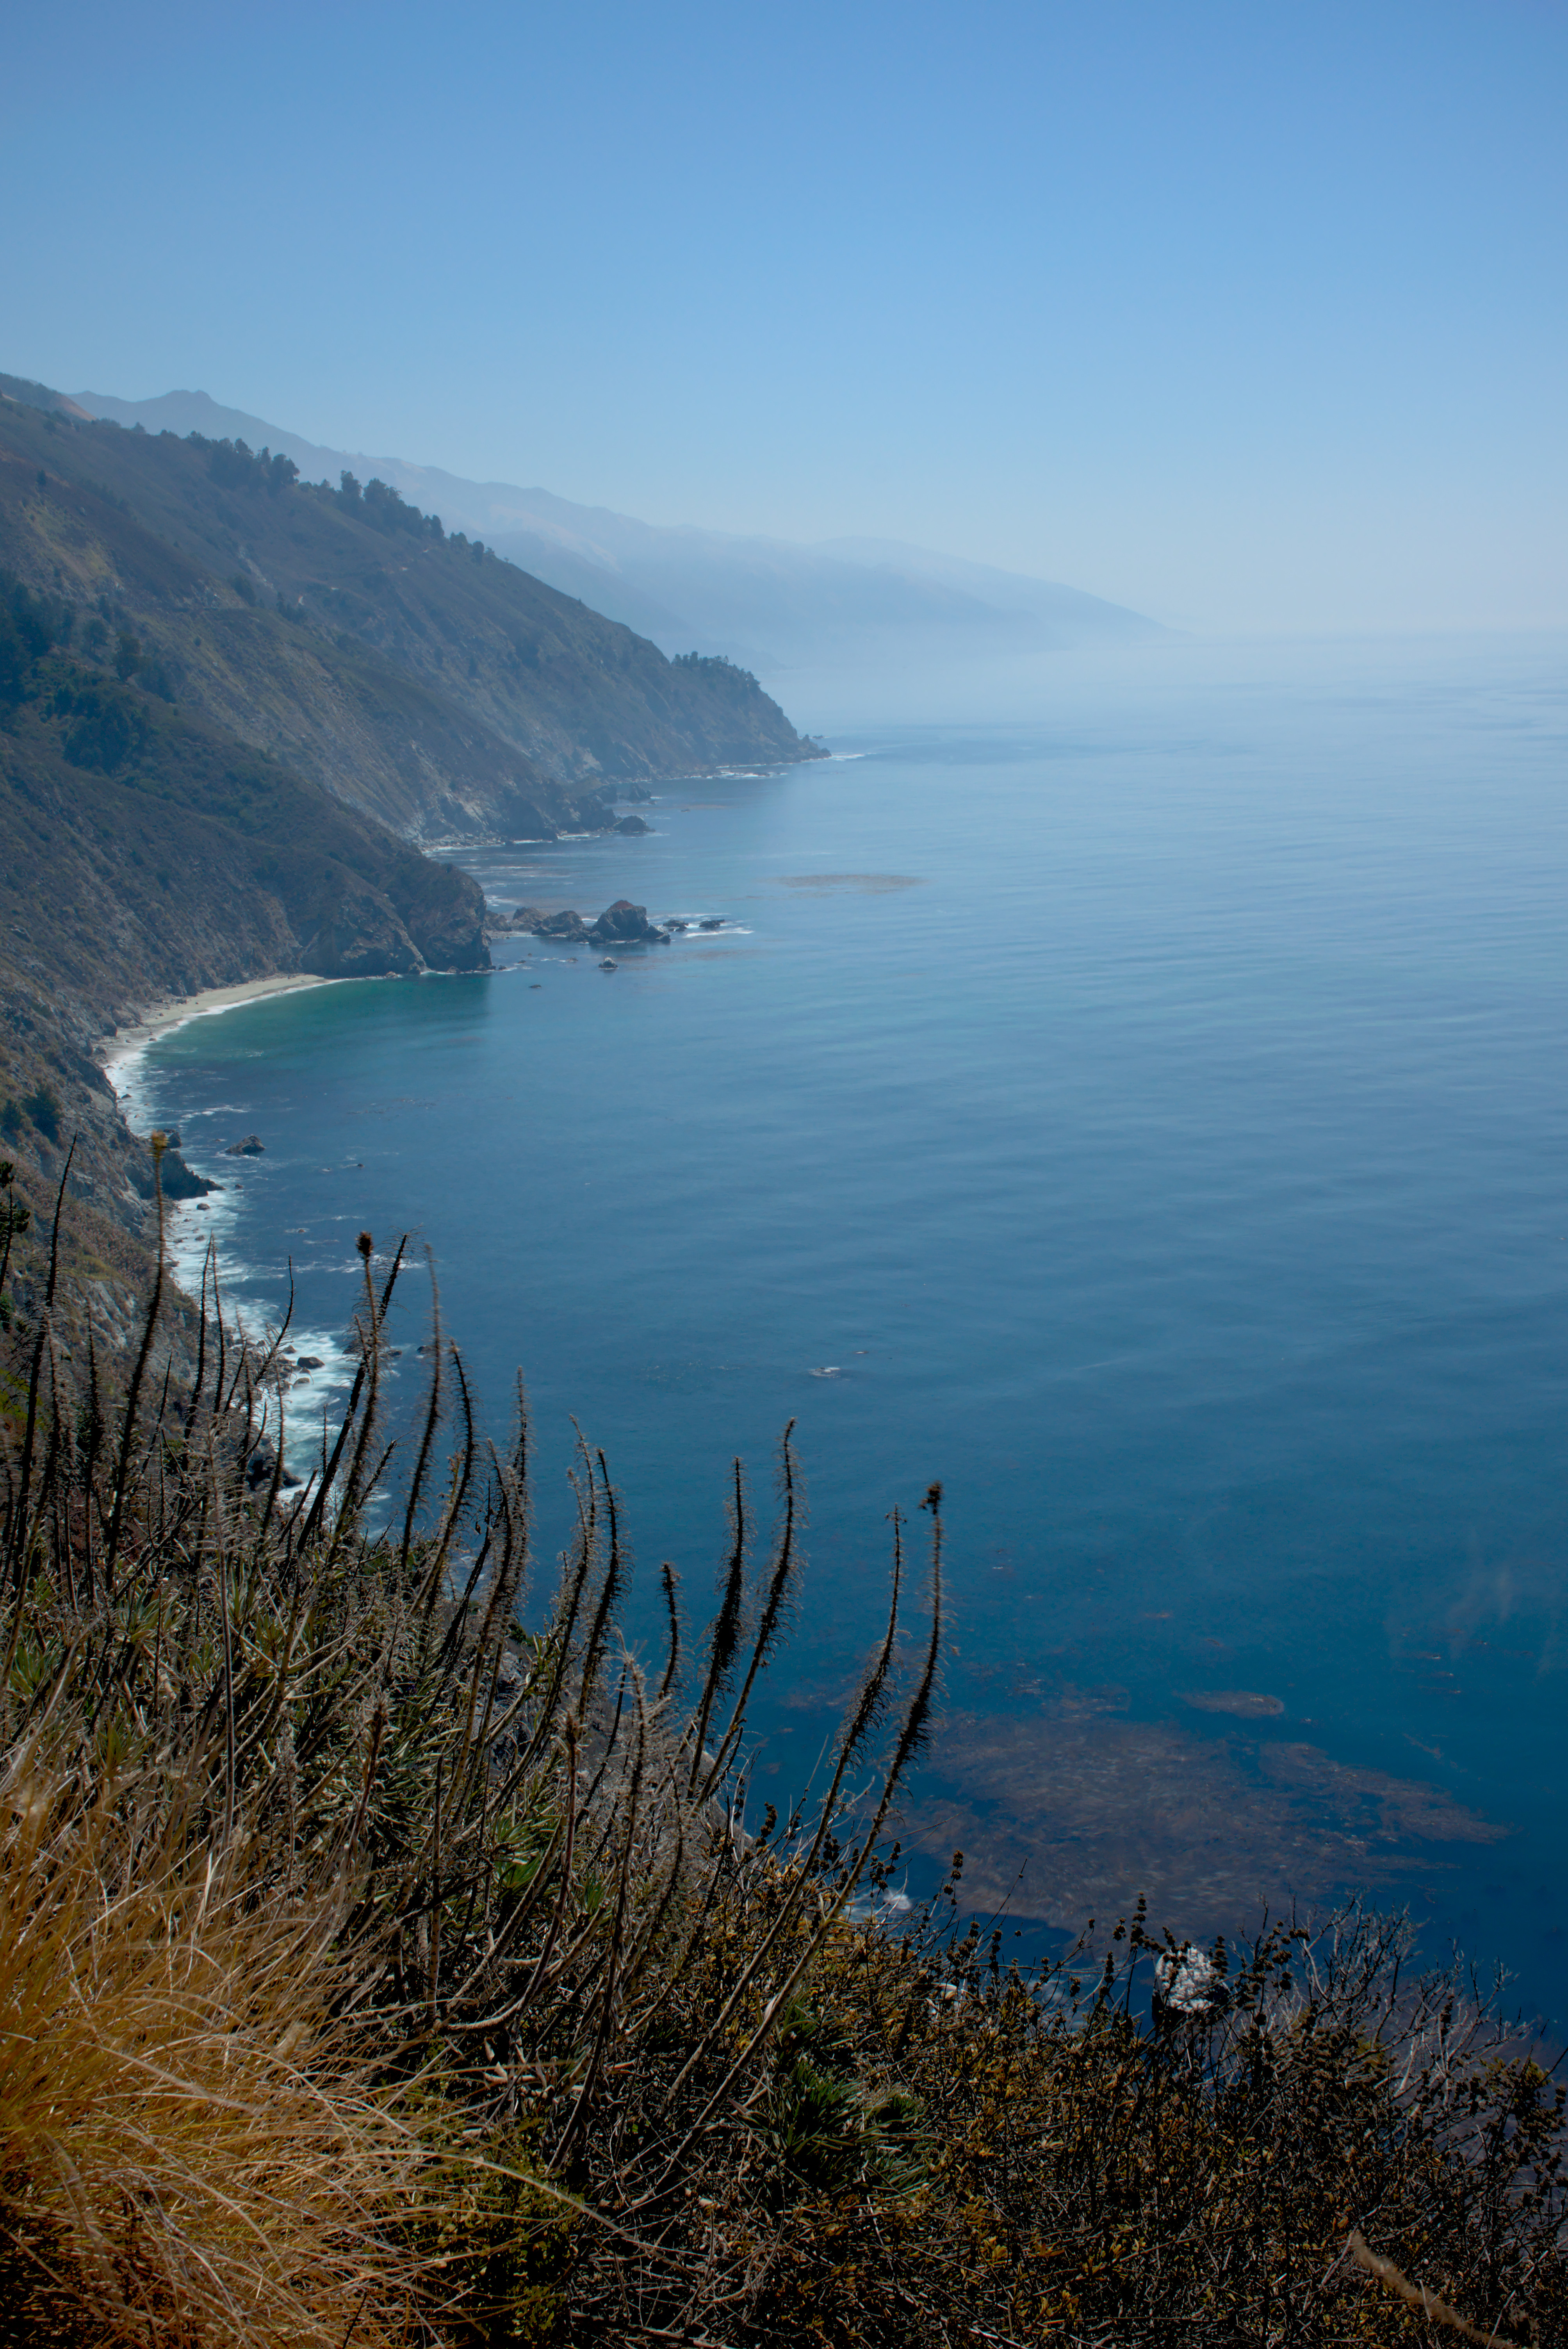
(388, 1954)
(192, 2146)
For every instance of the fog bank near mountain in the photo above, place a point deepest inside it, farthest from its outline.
(775, 607)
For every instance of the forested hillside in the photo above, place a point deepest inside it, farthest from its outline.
(417, 675)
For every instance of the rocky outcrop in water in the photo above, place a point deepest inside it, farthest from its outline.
(626, 925)
(569, 929)
(620, 924)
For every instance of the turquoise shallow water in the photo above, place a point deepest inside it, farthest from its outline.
(1154, 1109)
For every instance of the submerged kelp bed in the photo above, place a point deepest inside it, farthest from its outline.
(390, 1956)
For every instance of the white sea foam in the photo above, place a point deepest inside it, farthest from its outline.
(299, 1406)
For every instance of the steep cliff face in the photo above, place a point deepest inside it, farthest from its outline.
(418, 677)
(148, 855)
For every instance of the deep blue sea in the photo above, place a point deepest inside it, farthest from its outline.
(1150, 1105)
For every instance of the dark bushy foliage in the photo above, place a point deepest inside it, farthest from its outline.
(107, 728)
(382, 507)
(234, 466)
(387, 512)
(30, 627)
(42, 1106)
(715, 666)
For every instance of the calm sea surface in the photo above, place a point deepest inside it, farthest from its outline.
(1154, 1113)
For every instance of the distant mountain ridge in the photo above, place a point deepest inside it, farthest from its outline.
(766, 602)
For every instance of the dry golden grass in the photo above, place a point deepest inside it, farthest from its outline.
(191, 2147)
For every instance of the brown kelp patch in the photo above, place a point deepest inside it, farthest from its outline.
(1074, 1812)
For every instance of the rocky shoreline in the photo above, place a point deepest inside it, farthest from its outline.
(620, 924)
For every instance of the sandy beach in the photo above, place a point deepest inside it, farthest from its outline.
(126, 1043)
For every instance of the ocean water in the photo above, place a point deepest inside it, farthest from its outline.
(1148, 1106)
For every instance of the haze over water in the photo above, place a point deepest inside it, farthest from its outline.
(1151, 1108)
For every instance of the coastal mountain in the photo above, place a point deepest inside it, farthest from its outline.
(234, 709)
(764, 602)
(411, 671)
(148, 855)
(234, 712)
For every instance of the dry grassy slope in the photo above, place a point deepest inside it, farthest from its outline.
(106, 1258)
(148, 855)
(374, 736)
(154, 854)
(53, 1093)
(445, 692)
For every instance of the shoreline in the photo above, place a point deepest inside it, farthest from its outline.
(188, 1233)
(124, 1045)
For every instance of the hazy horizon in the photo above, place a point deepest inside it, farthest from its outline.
(1251, 323)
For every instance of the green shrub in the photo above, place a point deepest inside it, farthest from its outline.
(42, 1106)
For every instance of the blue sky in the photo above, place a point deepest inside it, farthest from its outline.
(1251, 315)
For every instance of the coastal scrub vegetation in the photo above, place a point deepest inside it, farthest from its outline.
(233, 465)
(388, 1954)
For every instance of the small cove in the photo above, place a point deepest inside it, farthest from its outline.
(1152, 1113)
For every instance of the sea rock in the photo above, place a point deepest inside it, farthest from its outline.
(250, 1145)
(632, 826)
(569, 926)
(626, 925)
(527, 815)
